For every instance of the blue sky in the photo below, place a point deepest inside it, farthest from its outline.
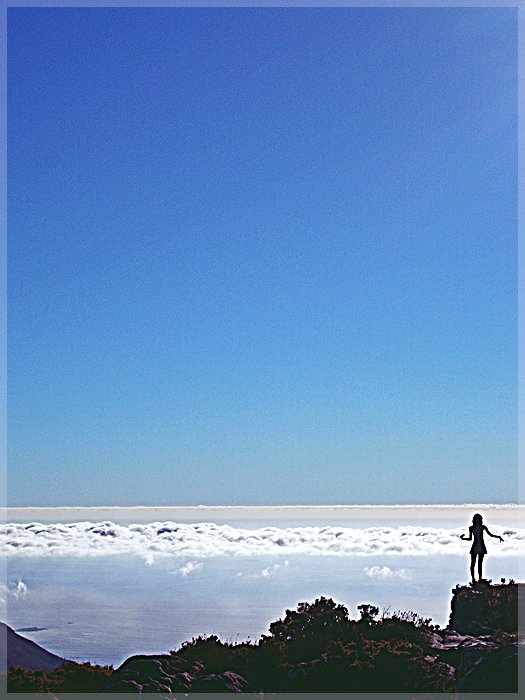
(262, 256)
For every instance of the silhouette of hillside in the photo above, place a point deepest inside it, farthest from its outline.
(318, 648)
(18, 651)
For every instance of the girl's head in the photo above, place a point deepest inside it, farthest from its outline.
(477, 519)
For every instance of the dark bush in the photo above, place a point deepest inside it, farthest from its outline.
(68, 678)
(307, 631)
(210, 651)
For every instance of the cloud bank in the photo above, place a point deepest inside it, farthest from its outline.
(17, 591)
(271, 570)
(201, 540)
(385, 572)
(187, 569)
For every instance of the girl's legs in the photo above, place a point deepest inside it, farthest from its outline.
(480, 564)
(472, 564)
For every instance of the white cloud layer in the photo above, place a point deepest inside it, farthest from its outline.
(199, 540)
(20, 591)
(187, 569)
(385, 572)
(271, 570)
(17, 592)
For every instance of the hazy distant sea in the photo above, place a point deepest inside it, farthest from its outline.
(101, 584)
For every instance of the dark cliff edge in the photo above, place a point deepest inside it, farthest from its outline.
(485, 606)
(20, 652)
(482, 640)
(317, 648)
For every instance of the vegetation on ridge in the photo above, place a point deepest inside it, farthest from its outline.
(316, 647)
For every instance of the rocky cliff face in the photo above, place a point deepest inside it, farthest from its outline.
(481, 640)
(485, 607)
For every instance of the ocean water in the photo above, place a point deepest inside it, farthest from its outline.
(102, 589)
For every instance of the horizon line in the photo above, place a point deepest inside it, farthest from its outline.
(287, 506)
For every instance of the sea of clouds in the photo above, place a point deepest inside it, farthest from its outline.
(202, 540)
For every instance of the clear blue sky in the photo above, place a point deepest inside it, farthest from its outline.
(262, 256)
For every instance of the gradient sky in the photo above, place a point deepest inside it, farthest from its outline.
(262, 256)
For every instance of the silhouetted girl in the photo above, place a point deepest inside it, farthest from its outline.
(478, 548)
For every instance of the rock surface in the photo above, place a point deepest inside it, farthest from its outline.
(481, 640)
(483, 607)
(169, 674)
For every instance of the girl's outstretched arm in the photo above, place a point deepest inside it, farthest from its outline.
(490, 533)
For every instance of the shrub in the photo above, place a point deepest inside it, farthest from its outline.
(321, 619)
(67, 678)
(307, 631)
(368, 613)
(213, 654)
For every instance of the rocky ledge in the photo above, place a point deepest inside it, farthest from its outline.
(481, 640)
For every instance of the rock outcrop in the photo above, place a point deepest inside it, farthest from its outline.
(483, 607)
(168, 674)
(481, 639)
